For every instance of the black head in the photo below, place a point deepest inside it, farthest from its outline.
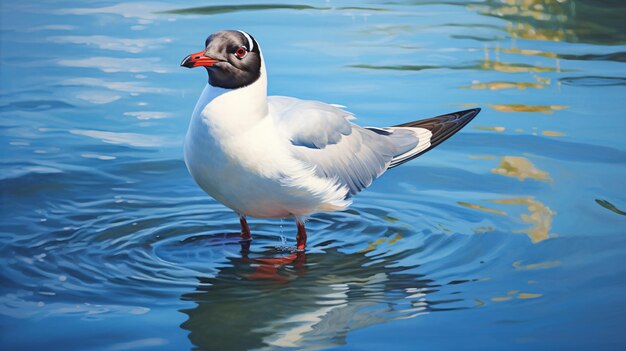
(231, 57)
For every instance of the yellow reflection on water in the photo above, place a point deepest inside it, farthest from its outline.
(529, 52)
(501, 299)
(540, 216)
(511, 296)
(547, 109)
(481, 208)
(465, 105)
(496, 65)
(371, 246)
(489, 128)
(520, 168)
(394, 239)
(500, 129)
(531, 266)
(528, 296)
(390, 219)
(552, 133)
(513, 68)
(504, 85)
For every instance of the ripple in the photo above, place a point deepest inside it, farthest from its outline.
(146, 115)
(144, 12)
(215, 10)
(359, 270)
(593, 81)
(132, 87)
(114, 64)
(547, 147)
(112, 43)
(486, 65)
(35, 105)
(613, 56)
(132, 139)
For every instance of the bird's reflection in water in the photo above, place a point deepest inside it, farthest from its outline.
(303, 301)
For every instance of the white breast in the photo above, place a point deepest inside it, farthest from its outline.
(236, 155)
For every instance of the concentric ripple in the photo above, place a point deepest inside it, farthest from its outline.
(135, 246)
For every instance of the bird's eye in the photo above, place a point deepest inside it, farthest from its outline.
(241, 52)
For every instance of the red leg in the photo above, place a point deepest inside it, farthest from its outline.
(245, 229)
(301, 237)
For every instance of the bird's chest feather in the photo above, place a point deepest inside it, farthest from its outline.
(237, 166)
(222, 146)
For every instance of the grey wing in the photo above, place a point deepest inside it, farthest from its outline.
(322, 136)
(310, 123)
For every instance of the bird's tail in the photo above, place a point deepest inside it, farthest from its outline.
(430, 132)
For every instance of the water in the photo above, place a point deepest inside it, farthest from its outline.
(508, 236)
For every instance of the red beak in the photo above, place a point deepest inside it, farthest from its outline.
(198, 59)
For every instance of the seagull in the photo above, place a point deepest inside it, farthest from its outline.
(276, 156)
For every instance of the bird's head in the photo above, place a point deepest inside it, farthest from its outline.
(232, 58)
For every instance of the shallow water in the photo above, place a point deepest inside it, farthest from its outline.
(511, 235)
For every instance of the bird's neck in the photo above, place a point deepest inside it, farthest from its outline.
(234, 109)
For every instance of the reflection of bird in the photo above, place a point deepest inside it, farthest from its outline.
(279, 156)
(305, 302)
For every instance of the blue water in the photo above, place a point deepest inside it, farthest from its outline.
(509, 236)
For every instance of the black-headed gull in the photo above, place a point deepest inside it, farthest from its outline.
(277, 156)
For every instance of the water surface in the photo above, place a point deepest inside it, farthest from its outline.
(511, 235)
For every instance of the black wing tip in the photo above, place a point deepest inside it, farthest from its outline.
(467, 116)
(473, 112)
(464, 115)
(442, 127)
